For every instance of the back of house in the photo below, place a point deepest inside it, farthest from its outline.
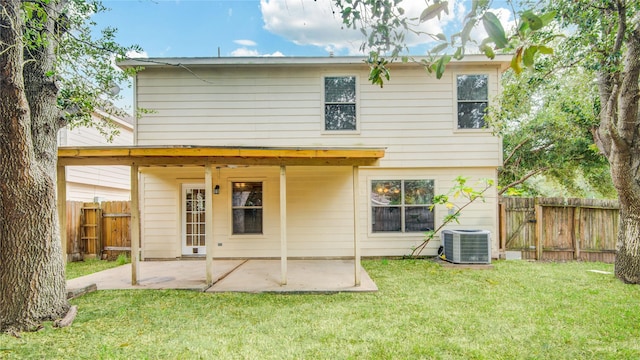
(429, 130)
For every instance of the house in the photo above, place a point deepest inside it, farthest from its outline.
(302, 157)
(97, 183)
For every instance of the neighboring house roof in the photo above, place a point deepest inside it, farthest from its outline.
(502, 60)
(126, 121)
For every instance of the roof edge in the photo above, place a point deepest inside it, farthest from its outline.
(501, 60)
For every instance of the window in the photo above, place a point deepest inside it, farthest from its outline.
(401, 205)
(340, 103)
(247, 208)
(473, 98)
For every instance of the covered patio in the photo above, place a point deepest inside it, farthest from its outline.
(209, 158)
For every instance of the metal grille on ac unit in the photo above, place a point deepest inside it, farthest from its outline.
(467, 246)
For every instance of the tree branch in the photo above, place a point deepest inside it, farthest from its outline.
(629, 90)
(622, 26)
(523, 179)
(515, 149)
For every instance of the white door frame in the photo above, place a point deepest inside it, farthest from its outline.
(194, 223)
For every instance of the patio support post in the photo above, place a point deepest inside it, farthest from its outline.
(283, 224)
(356, 225)
(61, 186)
(208, 222)
(135, 226)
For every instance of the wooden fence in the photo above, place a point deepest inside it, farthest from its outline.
(559, 229)
(98, 230)
(538, 228)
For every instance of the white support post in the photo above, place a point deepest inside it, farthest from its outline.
(283, 224)
(356, 226)
(208, 227)
(135, 226)
(61, 187)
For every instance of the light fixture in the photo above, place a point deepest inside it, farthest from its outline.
(216, 190)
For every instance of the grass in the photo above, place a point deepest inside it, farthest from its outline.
(518, 310)
(89, 266)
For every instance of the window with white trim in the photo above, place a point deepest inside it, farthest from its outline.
(340, 103)
(473, 99)
(402, 205)
(246, 207)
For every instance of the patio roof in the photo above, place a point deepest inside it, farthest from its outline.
(200, 155)
(208, 156)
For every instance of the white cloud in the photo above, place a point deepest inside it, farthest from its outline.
(319, 23)
(309, 23)
(273, 54)
(245, 42)
(137, 54)
(244, 52)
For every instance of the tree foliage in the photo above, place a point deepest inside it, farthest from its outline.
(545, 116)
(53, 73)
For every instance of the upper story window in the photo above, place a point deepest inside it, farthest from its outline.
(402, 205)
(340, 103)
(473, 99)
(247, 208)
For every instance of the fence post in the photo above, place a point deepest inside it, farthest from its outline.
(503, 229)
(576, 232)
(539, 230)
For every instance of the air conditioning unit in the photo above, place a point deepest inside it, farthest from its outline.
(467, 246)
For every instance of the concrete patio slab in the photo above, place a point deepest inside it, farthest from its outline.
(254, 276)
(179, 274)
(303, 276)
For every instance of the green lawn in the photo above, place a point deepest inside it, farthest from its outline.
(80, 268)
(518, 310)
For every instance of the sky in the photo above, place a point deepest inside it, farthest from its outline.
(208, 28)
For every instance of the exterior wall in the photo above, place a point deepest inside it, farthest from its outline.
(89, 193)
(84, 183)
(413, 116)
(319, 211)
(161, 210)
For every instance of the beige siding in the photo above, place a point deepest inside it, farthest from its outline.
(89, 193)
(413, 116)
(319, 211)
(84, 183)
(160, 209)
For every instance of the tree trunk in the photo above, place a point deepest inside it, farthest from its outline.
(32, 280)
(618, 136)
(627, 265)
